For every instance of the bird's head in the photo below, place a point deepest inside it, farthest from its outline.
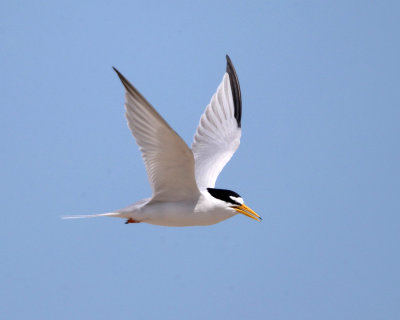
(234, 201)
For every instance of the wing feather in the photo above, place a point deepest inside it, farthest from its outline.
(169, 161)
(218, 133)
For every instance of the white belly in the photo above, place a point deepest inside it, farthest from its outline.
(202, 212)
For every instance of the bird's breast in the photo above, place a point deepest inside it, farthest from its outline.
(184, 213)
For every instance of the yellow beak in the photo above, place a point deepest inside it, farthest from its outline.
(247, 212)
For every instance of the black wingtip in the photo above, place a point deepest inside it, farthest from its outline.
(236, 93)
(115, 69)
(119, 74)
(128, 86)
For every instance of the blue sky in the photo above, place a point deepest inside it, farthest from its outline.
(319, 159)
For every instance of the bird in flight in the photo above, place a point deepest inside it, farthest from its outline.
(183, 179)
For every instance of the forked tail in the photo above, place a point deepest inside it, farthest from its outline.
(84, 216)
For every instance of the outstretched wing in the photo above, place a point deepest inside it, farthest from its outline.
(218, 133)
(169, 161)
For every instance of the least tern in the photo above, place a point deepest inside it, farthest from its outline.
(183, 179)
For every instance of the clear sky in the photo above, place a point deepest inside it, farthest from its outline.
(319, 159)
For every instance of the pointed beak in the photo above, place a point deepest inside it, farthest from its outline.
(247, 212)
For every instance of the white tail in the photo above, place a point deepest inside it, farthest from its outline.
(84, 216)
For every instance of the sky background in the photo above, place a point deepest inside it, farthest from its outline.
(319, 159)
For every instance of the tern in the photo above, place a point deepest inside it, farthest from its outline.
(183, 179)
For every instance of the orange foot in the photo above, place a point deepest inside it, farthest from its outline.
(130, 220)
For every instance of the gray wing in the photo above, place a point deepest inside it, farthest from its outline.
(169, 161)
(218, 133)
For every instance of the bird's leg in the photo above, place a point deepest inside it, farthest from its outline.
(130, 220)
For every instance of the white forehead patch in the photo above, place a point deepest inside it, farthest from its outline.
(237, 199)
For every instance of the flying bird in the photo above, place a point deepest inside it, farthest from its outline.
(183, 179)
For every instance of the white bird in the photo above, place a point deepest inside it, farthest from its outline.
(183, 179)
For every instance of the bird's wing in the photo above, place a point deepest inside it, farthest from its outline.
(218, 133)
(169, 161)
